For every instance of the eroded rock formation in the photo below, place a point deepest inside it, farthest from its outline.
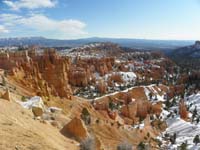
(46, 74)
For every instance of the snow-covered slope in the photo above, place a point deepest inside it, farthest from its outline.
(185, 130)
(194, 101)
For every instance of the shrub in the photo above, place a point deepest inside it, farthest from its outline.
(141, 146)
(85, 115)
(23, 99)
(85, 112)
(183, 146)
(148, 134)
(88, 144)
(4, 81)
(124, 146)
(97, 121)
(111, 105)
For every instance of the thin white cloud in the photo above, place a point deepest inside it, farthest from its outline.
(42, 23)
(29, 4)
(3, 29)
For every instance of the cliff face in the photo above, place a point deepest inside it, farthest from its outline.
(48, 73)
(45, 73)
(81, 72)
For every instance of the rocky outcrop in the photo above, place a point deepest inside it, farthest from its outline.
(101, 87)
(46, 73)
(75, 128)
(35, 104)
(6, 95)
(100, 65)
(129, 111)
(183, 110)
(37, 111)
(79, 76)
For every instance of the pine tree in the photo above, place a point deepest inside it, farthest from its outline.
(173, 139)
(111, 105)
(194, 113)
(196, 139)
(183, 146)
(150, 95)
(198, 119)
(167, 104)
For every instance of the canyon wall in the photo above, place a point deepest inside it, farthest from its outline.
(46, 73)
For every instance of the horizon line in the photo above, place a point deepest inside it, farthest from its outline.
(99, 37)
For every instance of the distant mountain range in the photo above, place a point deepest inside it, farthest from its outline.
(188, 57)
(192, 51)
(132, 43)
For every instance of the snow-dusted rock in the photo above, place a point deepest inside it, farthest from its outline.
(35, 101)
(54, 109)
(35, 104)
(6, 95)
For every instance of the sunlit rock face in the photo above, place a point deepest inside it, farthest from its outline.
(46, 73)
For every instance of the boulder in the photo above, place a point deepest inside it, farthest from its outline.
(37, 111)
(35, 104)
(75, 128)
(6, 95)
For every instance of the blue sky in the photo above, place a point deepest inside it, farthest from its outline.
(69, 19)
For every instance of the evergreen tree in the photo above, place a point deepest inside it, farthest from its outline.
(198, 119)
(183, 146)
(111, 105)
(196, 139)
(173, 139)
(194, 113)
(150, 95)
(167, 104)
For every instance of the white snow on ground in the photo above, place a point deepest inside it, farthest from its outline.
(140, 126)
(157, 97)
(185, 130)
(125, 91)
(195, 100)
(126, 76)
(54, 109)
(164, 114)
(35, 101)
